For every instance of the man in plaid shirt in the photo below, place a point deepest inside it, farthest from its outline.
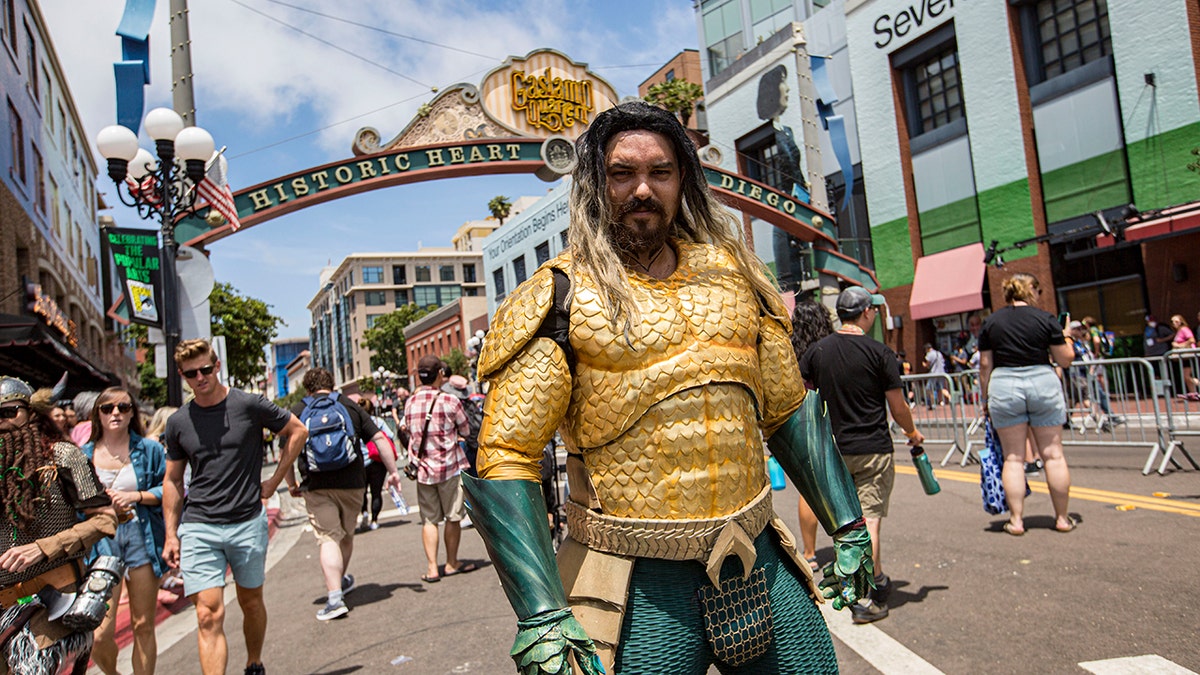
(435, 422)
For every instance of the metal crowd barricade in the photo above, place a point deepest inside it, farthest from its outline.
(1180, 374)
(1119, 403)
(937, 408)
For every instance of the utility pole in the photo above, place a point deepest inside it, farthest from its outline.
(182, 98)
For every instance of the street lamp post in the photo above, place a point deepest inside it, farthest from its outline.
(160, 190)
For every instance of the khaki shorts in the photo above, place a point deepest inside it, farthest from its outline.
(873, 476)
(441, 501)
(333, 513)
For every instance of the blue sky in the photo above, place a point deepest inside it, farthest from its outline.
(259, 83)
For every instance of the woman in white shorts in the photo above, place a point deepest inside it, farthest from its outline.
(1016, 345)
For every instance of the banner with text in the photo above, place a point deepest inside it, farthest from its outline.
(135, 253)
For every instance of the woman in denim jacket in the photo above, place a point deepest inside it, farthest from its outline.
(131, 467)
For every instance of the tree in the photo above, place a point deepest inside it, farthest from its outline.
(248, 327)
(677, 96)
(386, 337)
(500, 207)
(292, 399)
(458, 362)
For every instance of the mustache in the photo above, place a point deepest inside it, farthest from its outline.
(638, 204)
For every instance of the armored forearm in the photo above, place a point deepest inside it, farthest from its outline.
(805, 448)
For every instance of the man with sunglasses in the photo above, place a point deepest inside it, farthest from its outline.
(219, 434)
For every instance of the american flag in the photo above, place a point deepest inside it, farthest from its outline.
(146, 190)
(215, 189)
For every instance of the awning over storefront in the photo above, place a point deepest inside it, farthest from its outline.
(29, 351)
(1167, 222)
(949, 282)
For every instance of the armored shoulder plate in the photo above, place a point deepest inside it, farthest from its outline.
(517, 320)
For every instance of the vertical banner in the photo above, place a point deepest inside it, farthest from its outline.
(135, 254)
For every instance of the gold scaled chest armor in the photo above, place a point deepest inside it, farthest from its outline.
(668, 420)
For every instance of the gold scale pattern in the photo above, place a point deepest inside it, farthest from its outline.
(667, 421)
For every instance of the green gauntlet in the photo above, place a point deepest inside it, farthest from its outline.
(510, 515)
(851, 575)
(805, 448)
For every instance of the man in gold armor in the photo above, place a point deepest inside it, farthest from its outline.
(660, 350)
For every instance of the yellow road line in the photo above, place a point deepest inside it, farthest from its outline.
(1086, 494)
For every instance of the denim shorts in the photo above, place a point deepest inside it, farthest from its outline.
(1030, 395)
(206, 549)
(129, 544)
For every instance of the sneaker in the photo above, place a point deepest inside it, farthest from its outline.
(256, 669)
(883, 589)
(1034, 466)
(872, 611)
(347, 583)
(466, 522)
(332, 611)
(373, 526)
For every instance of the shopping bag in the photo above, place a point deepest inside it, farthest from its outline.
(991, 458)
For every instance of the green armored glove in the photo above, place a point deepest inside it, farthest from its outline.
(851, 575)
(510, 515)
(805, 448)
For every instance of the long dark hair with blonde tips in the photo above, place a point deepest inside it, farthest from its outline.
(113, 395)
(700, 219)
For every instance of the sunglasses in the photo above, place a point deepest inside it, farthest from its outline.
(107, 408)
(11, 412)
(202, 370)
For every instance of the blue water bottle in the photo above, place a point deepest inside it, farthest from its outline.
(775, 471)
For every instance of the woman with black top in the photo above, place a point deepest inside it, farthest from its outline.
(1023, 392)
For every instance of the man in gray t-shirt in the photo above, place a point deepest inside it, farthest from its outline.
(219, 435)
(935, 388)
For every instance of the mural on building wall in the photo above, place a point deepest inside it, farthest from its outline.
(786, 173)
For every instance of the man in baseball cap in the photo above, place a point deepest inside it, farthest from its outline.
(859, 380)
(855, 300)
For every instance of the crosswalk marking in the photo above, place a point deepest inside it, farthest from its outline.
(1150, 664)
(875, 646)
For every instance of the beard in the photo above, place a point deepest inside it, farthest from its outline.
(649, 237)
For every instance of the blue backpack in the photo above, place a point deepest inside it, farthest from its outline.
(331, 441)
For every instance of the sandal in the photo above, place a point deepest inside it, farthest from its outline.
(430, 580)
(1070, 528)
(1009, 528)
(461, 569)
(813, 564)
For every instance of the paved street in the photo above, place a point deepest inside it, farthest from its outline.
(968, 598)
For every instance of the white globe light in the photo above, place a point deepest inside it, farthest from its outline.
(163, 124)
(194, 143)
(117, 142)
(138, 165)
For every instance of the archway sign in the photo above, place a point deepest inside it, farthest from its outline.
(523, 118)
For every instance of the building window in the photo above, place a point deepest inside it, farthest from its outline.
(498, 283)
(399, 275)
(939, 96)
(761, 158)
(39, 179)
(469, 273)
(54, 217)
(722, 34)
(10, 24)
(401, 298)
(670, 75)
(17, 139)
(1064, 35)
(562, 239)
(542, 252)
(446, 272)
(31, 64)
(853, 229)
(423, 273)
(375, 298)
(425, 296)
(470, 292)
(372, 275)
(519, 269)
(372, 318)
